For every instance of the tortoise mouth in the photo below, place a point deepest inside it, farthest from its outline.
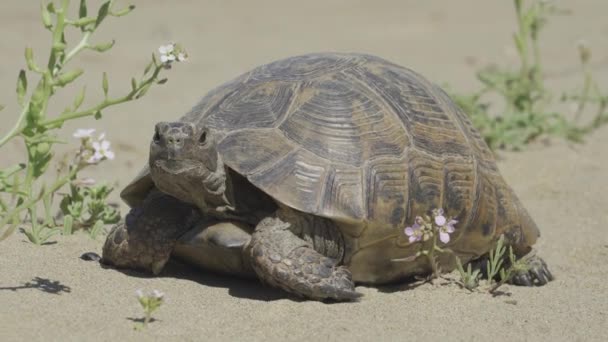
(177, 166)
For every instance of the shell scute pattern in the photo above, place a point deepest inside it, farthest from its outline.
(357, 138)
(252, 105)
(297, 179)
(342, 123)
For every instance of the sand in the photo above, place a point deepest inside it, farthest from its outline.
(48, 293)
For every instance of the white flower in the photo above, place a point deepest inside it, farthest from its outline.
(87, 181)
(101, 150)
(139, 293)
(172, 53)
(182, 57)
(83, 133)
(166, 53)
(167, 58)
(166, 49)
(157, 294)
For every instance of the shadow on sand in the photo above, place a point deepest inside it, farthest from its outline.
(42, 284)
(248, 288)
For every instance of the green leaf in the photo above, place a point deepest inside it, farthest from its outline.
(1, 107)
(103, 47)
(148, 67)
(97, 228)
(46, 17)
(29, 59)
(104, 84)
(68, 225)
(83, 22)
(143, 90)
(68, 77)
(97, 115)
(82, 9)
(162, 81)
(21, 86)
(79, 98)
(124, 11)
(102, 13)
(133, 84)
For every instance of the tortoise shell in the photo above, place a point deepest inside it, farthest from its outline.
(358, 139)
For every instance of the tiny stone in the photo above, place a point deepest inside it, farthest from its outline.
(275, 258)
(90, 256)
(287, 262)
(314, 279)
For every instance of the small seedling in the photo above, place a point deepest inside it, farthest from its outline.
(469, 278)
(507, 273)
(150, 303)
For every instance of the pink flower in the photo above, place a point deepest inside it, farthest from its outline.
(446, 230)
(445, 227)
(439, 218)
(415, 231)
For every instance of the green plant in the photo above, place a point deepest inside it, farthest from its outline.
(87, 205)
(22, 188)
(469, 278)
(495, 266)
(149, 303)
(429, 231)
(527, 114)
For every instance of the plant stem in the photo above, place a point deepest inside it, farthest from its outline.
(81, 45)
(101, 106)
(58, 184)
(147, 318)
(16, 130)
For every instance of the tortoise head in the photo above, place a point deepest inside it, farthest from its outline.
(184, 163)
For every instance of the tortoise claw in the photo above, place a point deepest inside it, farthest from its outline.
(538, 273)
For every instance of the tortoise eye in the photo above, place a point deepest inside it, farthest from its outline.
(203, 138)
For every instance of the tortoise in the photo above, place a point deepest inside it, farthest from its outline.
(304, 173)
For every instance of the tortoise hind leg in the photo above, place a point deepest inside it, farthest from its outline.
(536, 272)
(282, 259)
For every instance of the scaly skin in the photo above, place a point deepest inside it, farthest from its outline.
(147, 236)
(282, 259)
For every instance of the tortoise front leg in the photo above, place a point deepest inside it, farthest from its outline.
(282, 259)
(146, 237)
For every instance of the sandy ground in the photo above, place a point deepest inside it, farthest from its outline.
(48, 293)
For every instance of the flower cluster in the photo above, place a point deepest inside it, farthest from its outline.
(93, 151)
(172, 53)
(424, 228)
